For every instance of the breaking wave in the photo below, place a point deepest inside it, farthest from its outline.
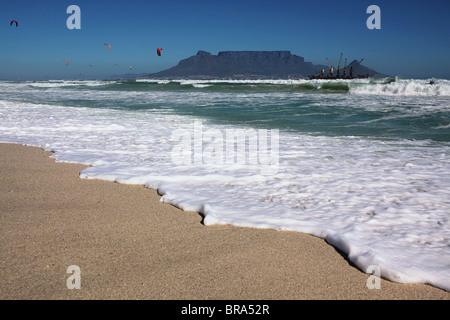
(409, 87)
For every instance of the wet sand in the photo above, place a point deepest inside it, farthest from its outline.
(129, 245)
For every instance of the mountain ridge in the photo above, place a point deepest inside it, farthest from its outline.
(249, 65)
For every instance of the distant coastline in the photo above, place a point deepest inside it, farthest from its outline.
(252, 65)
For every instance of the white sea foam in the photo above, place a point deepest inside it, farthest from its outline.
(383, 203)
(68, 83)
(386, 87)
(405, 88)
(254, 82)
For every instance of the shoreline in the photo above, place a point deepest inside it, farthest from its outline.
(129, 245)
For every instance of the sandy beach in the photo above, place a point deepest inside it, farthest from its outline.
(129, 245)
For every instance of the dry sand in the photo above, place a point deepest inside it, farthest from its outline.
(129, 245)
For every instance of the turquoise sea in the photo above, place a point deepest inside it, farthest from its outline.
(364, 164)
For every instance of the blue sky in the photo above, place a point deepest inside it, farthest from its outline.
(413, 40)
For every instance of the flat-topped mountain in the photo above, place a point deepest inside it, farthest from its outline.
(247, 65)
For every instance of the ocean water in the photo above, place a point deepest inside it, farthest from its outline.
(363, 164)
